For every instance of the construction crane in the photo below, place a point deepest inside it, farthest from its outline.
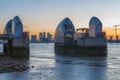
(116, 30)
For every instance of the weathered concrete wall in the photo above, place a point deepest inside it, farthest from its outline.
(21, 47)
(74, 50)
(20, 52)
(92, 42)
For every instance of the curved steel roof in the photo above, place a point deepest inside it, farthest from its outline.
(95, 21)
(95, 26)
(18, 27)
(64, 27)
(8, 27)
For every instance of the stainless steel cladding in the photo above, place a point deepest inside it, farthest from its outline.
(95, 26)
(18, 27)
(8, 27)
(65, 30)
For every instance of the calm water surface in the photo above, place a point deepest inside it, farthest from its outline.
(48, 66)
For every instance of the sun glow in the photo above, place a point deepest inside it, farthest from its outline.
(110, 31)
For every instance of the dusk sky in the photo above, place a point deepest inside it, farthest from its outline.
(44, 15)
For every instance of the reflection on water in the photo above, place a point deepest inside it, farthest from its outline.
(48, 66)
(68, 68)
(15, 76)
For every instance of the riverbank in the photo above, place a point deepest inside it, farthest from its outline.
(9, 64)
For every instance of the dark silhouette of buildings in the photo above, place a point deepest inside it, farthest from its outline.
(44, 37)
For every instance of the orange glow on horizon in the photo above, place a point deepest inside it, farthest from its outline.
(36, 32)
(109, 32)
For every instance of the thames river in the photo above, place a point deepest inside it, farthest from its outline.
(45, 65)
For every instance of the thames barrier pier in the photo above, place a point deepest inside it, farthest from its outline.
(84, 42)
(15, 41)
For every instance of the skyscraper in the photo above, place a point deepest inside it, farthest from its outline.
(44, 34)
(40, 37)
(43, 37)
(49, 37)
(33, 38)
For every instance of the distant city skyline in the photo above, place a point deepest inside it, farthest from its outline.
(44, 15)
(43, 37)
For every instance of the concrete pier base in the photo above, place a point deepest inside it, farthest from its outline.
(15, 47)
(91, 51)
(73, 50)
(20, 48)
(7, 48)
(20, 52)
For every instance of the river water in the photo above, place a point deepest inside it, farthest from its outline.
(48, 66)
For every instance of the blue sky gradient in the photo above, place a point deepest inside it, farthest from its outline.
(45, 15)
